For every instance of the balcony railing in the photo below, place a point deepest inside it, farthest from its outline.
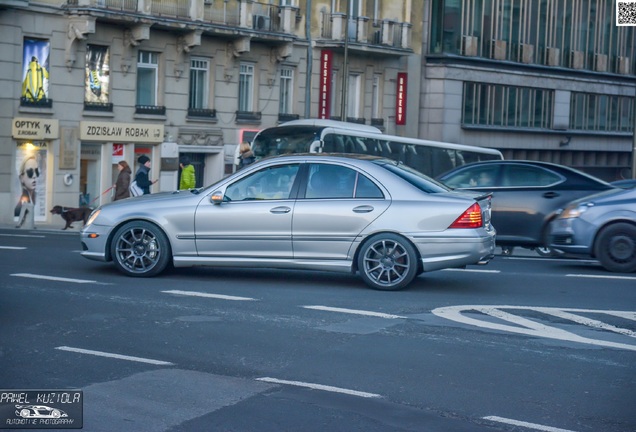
(366, 31)
(42, 103)
(150, 109)
(202, 113)
(98, 106)
(171, 8)
(222, 12)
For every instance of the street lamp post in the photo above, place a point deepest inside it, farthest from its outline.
(345, 71)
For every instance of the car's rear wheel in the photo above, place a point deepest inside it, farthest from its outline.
(140, 249)
(616, 247)
(387, 262)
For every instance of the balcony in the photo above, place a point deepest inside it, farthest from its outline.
(362, 31)
(213, 17)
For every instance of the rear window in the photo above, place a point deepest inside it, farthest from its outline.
(416, 178)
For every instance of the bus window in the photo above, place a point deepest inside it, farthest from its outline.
(441, 161)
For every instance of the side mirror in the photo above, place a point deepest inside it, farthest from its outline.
(217, 197)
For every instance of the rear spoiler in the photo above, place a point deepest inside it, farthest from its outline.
(483, 196)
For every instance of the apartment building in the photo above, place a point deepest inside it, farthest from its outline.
(88, 83)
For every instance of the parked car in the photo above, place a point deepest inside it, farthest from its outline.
(624, 184)
(526, 196)
(601, 226)
(322, 212)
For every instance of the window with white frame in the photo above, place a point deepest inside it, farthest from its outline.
(147, 76)
(199, 87)
(353, 96)
(246, 88)
(286, 87)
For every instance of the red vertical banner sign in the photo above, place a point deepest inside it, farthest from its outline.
(400, 102)
(324, 98)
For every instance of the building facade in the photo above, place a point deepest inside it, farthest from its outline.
(548, 80)
(92, 82)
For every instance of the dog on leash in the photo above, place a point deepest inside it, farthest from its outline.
(72, 214)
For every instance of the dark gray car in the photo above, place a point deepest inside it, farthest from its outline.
(527, 195)
(601, 226)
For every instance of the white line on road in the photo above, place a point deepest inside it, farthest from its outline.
(12, 247)
(22, 235)
(470, 315)
(116, 356)
(472, 270)
(602, 276)
(202, 294)
(354, 311)
(526, 424)
(320, 387)
(52, 278)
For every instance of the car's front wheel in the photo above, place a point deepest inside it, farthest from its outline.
(140, 249)
(387, 262)
(616, 247)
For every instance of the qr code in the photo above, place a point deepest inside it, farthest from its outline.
(626, 13)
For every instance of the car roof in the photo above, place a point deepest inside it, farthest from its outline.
(548, 165)
(328, 156)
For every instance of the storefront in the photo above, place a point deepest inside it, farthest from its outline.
(104, 144)
(34, 159)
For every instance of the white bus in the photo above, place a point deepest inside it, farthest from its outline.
(329, 136)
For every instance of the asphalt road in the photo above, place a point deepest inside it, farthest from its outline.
(520, 344)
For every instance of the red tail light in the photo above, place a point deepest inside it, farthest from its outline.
(471, 218)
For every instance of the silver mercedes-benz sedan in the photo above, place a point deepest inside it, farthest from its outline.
(342, 213)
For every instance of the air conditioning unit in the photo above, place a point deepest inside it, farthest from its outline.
(260, 22)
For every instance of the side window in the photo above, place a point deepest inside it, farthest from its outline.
(267, 184)
(365, 188)
(332, 181)
(519, 175)
(473, 177)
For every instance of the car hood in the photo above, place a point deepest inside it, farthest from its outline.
(609, 196)
(145, 200)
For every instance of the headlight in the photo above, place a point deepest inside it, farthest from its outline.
(576, 211)
(93, 216)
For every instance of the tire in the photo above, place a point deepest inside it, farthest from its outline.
(616, 247)
(387, 262)
(140, 249)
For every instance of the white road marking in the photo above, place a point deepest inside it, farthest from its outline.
(532, 328)
(587, 321)
(354, 312)
(526, 424)
(202, 294)
(116, 356)
(22, 235)
(538, 258)
(52, 278)
(601, 276)
(320, 387)
(472, 270)
(12, 247)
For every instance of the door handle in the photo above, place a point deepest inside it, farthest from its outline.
(280, 210)
(551, 195)
(363, 209)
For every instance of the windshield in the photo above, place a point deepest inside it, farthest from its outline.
(284, 140)
(416, 178)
